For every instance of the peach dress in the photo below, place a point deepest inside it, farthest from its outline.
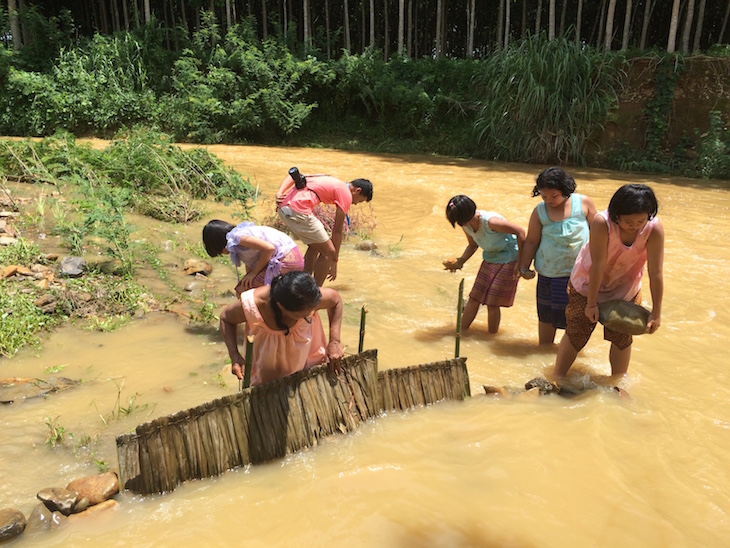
(277, 355)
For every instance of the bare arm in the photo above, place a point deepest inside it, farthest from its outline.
(655, 267)
(267, 251)
(532, 242)
(599, 248)
(332, 302)
(589, 209)
(337, 233)
(231, 316)
(284, 189)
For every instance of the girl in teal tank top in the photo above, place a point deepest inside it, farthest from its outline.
(500, 241)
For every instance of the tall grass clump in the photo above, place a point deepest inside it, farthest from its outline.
(542, 99)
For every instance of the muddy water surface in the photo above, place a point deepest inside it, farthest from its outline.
(589, 471)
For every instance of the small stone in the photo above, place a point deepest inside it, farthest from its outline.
(96, 488)
(57, 499)
(10, 270)
(106, 505)
(6, 214)
(7, 240)
(190, 287)
(73, 267)
(196, 266)
(25, 271)
(366, 245)
(12, 523)
(51, 256)
(39, 268)
(81, 505)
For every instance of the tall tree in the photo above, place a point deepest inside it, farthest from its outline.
(689, 16)
(401, 25)
(500, 24)
(264, 20)
(470, 25)
(724, 23)
(507, 23)
(648, 9)
(673, 25)
(627, 27)
(439, 15)
(305, 14)
(372, 25)
(578, 21)
(538, 17)
(147, 12)
(15, 25)
(609, 24)
(551, 21)
(327, 27)
(698, 28)
(347, 28)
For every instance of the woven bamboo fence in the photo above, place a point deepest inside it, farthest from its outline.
(266, 422)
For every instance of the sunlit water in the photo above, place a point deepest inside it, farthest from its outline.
(596, 470)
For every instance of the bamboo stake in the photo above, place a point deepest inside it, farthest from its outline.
(363, 311)
(459, 311)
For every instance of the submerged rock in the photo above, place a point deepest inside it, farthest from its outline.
(42, 519)
(197, 266)
(12, 523)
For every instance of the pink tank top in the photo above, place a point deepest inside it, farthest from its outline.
(277, 355)
(624, 264)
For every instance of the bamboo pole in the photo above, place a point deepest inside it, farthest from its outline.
(459, 312)
(247, 363)
(363, 311)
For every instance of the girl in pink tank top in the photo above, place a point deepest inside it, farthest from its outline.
(287, 332)
(609, 267)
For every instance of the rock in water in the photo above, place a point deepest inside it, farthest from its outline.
(96, 488)
(12, 523)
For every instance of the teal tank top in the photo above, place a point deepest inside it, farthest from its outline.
(561, 241)
(498, 247)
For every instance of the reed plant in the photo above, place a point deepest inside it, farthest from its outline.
(542, 99)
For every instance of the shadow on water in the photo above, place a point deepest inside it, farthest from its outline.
(212, 333)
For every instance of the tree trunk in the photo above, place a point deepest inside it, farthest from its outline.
(401, 25)
(538, 17)
(507, 23)
(648, 8)
(500, 25)
(551, 21)
(347, 28)
(578, 21)
(147, 12)
(327, 27)
(115, 16)
(372, 25)
(627, 26)
(386, 37)
(470, 25)
(724, 23)
(228, 15)
(523, 33)
(305, 24)
(698, 29)
(439, 4)
(104, 17)
(15, 25)
(125, 14)
(563, 14)
(264, 20)
(688, 25)
(673, 24)
(609, 25)
(409, 35)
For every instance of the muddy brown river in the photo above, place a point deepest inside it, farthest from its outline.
(594, 470)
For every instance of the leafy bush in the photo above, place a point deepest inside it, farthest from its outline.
(543, 98)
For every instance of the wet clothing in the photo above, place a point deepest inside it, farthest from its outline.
(277, 354)
(495, 284)
(498, 247)
(579, 328)
(560, 241)
(624, 264)
(552, 298)
(286, 255)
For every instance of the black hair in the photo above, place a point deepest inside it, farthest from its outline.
(214, 236)
(365, 186)
(555, 177)
(295, 291)
(632, 199)
(461, 210)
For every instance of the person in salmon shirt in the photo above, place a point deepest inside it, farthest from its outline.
(284, 322)
(295, 200)
(623, 240)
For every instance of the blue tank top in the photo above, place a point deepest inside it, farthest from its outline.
(499, 247)
(561, 241)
